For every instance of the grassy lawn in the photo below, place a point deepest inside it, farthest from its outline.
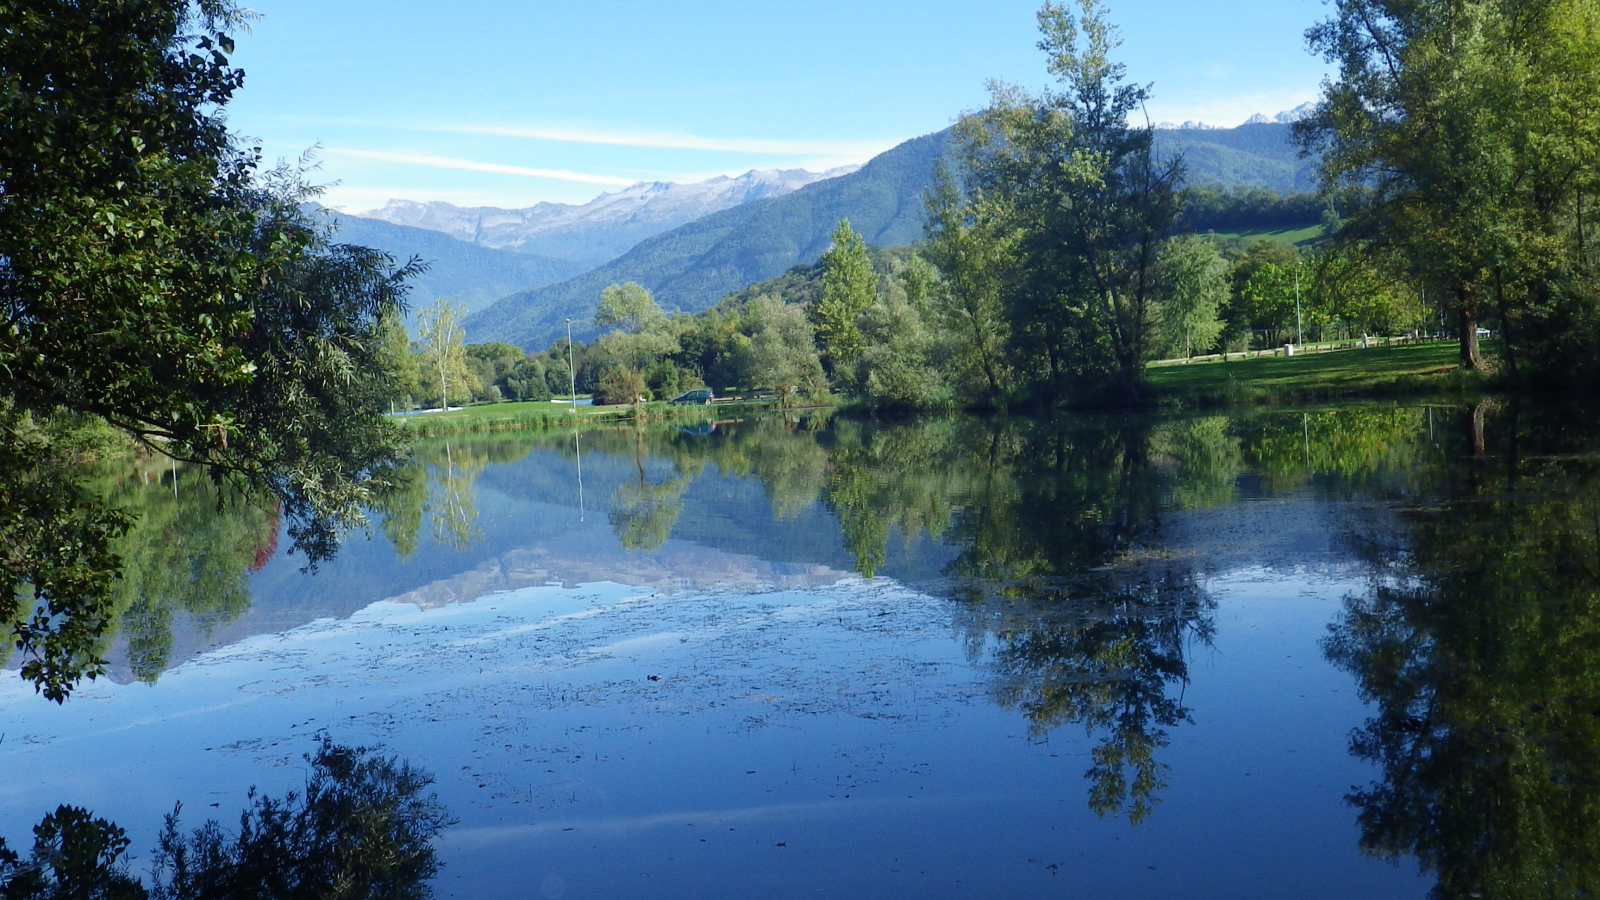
(1286, 235)
(497, 416)
(1422, 368)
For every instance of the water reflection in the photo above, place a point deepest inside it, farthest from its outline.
(1076, 577)
(362, 827)
(1478, 644)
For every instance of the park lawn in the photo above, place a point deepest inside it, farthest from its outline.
(1286, 235)
(1414, 369)
(543, 414)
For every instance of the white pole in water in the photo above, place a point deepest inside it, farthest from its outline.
(579, 449)
(572, 385)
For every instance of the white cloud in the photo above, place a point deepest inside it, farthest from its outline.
(445, 162)
(852, 150)
(1227, 112)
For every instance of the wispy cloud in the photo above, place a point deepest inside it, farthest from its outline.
(469, 165)
(856, 150)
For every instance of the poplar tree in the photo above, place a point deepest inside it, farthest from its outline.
(848, 287)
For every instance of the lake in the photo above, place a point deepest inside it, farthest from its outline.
(1344, 651)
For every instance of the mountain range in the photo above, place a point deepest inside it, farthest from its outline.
(692, 266)
(473, 275)
(607, 226)
(1256, 154)
(693, 244)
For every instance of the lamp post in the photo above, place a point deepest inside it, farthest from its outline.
(572, 373)
(1299, 334)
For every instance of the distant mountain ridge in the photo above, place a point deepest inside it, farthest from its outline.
(693, 266)
(607, 226)
(473, 275)
(1258, 154)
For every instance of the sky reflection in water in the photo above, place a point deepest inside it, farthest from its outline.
(951, 658)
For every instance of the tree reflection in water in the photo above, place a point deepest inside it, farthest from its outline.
(1064, 588)
(1476, 642)
(362, 828)
(1479, 645)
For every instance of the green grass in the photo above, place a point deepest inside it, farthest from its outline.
(1286, 235)
(1415, 369)
(501, 416)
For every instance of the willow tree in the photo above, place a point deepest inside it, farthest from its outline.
(152, 279)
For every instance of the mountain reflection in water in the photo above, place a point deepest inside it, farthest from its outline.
(1078, 559)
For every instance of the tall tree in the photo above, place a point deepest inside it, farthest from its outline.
(1091, 203)
(628, 307)
(971, 245)
(848, 287)
(1194, 287)
(782, 353)
(638, 337)
(444, 355)
(150, 277)
(1474, 125)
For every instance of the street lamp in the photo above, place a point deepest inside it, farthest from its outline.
(572, 373)
(1299, 334)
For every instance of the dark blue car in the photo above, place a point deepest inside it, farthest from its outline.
(701, 396)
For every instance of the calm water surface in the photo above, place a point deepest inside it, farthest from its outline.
(1344, 652)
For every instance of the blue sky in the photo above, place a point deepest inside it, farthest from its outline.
(500, 103)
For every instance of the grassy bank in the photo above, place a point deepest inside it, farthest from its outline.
(1380, 371)
(502, 416)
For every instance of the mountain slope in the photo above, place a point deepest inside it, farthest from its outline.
(476, 276)
(604, 228)
(1255, 155)
(693, 266)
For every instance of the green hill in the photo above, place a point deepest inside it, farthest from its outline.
(693, 266)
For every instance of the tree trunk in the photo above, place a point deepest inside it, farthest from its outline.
(1468, 310)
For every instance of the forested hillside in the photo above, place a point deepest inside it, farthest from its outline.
(1257, 155)
(695, 265)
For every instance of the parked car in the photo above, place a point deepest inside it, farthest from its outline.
(700, 396)
(1484, 332)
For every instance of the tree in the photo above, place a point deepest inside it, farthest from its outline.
(397, 357)
(630, 308)
(152, 278)
(1194, 287)
(1473, 125)
(1267, 299)
(782, 354)
(527, 380)
(444, 356)
(896, 370)
(971, 247)
(1090, 204)
(848, 287)
(637, 338)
